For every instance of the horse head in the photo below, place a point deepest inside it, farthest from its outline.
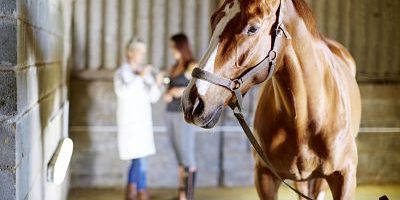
(242, 36)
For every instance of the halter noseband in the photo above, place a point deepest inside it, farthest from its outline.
(269, 61)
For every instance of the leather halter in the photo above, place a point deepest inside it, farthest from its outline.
(267, 63)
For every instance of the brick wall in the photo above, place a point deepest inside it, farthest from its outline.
(34, 52)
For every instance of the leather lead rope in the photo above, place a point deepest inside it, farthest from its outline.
(239, 116)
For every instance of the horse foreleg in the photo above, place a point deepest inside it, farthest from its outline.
(302, 187)
(314, 188)
(343, 184)
(266, 184)
(318, 189)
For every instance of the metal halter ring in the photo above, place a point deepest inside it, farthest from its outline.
(272, 55)
(279, 32)
(235, 84)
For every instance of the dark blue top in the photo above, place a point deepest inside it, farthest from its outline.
(176, 82)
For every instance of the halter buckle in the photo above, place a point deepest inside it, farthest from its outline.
(235, 84)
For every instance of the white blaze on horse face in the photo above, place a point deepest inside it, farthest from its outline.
(202, 86)
(208, 60)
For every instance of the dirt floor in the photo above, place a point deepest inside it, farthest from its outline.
(366, 192)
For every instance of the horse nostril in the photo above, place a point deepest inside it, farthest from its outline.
(198, 107)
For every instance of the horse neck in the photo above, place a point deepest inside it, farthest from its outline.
(299, 80)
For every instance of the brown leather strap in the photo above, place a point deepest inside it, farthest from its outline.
(257, 147)
(212, 78)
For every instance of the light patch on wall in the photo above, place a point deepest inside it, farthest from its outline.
(59, 163)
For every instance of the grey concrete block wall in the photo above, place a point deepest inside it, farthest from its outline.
(7, 147)
(7, 7)
(33, 95)
(7, 161)
(8, 99)
(8, 94)
(8, 33)
(7, 182)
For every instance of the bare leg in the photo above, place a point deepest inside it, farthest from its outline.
(131, 192)
(302, 187)
(143, 195)
(266, 184)
(343, 184)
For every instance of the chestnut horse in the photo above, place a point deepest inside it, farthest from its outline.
(309, 110)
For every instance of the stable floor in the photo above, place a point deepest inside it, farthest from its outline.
(365, 192)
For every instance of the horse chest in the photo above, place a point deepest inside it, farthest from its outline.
(300, 156)
(294, 159)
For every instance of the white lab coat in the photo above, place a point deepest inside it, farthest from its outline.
(135, 128)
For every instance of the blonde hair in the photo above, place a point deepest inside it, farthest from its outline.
(134, 43)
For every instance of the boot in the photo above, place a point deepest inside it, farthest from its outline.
(190, 184)
(143, 195)
(131, 192)
(182, 188)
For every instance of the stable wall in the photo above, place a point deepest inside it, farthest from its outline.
(96, 162)
(34, 52)
(368, 28)
(224, 157)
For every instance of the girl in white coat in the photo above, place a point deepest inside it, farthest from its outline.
(136, 89)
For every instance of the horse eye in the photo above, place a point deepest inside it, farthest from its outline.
(252, 30)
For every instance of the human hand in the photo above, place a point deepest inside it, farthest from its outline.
(146, 70)
(167, 98)
(176, 92)
(160, 78)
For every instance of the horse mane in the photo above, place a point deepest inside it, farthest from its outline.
(301, 7)
(304, 11)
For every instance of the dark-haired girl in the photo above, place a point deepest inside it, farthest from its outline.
(181, 134)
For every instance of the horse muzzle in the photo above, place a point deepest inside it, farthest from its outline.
(196, 112)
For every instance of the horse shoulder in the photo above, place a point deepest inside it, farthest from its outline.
(352, 88)
(342, 53)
